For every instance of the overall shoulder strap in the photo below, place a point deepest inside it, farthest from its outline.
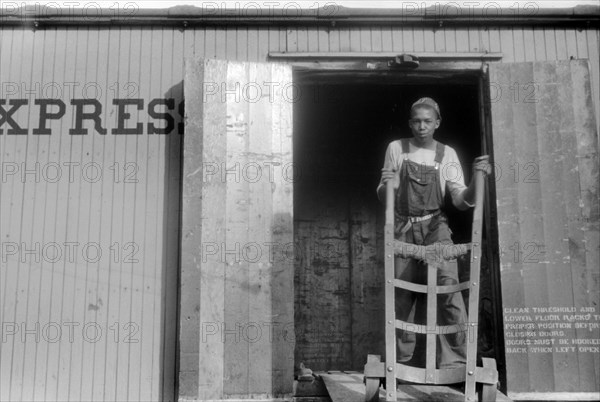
(405, 147)
(439, 153)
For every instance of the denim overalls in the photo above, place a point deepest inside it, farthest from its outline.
(418, 220)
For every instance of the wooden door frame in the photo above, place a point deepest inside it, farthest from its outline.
(456, 71)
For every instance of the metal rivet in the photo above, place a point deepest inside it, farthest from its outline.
(390, 368)
(389, 281)
(389, 244)
(472, 324)
(470, 373)
(389, 322)
(389, 256)
(475, 257)
(474, 283)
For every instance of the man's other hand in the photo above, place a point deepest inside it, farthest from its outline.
(482, 163)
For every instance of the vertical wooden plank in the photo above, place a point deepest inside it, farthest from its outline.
(274, 35)
(355, 39)
(245, 49)
(584, 366)
(323, 39)
(376, 40)
(49, 144)
(91, 197)
(539, 43)
(366, 44)
(152, 166)
(532, 220)
(462, 40)
(345, 40)
(419, 40)
(556, 255)
(367, 276)
(571, 42)
(589, 177)
(507, 46)
(263, 44)
(450, 39)
(230, 50)
(210, 43)
(494, 40)
(116, 386)
(212, 274)
(303, 37)
(198, 42)
(550, 43)
(476, 36)
(282, 283)
(12, 188)
(28, 291)
(281, 44)
(252, 46)
(108, 42)
(68, 220)
(16, 301)
(221, 41)
(291, 40)
(312, 39)
(191, 231)
(507, 193)
(562, 53)
(408, 43)
(429, 38)
(6, 47)
(258, 333)
(397, 41)
(78, 214)
(582, 45)
(533, 50)
(387, 44)
(236, 236)
(520, 45)
(439, 39)
(334, 40)
(135, 263)
(594, 57)
(128, 241)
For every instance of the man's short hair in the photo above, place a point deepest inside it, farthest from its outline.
(426, 103)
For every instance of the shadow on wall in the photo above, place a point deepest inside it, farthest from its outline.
(173, 154)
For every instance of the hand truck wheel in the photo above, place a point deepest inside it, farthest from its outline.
(372, 389)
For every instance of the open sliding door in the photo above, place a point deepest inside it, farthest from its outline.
(237, 298)
(546, 155)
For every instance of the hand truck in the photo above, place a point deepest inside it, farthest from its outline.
(433, 255)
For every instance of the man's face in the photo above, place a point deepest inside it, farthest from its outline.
(423, 123)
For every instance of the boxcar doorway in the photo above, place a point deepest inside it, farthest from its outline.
(342, 126)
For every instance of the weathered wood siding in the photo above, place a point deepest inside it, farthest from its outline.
(107, 212)
(238, 232)
(547, 197)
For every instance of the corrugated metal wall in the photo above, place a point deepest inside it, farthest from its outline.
(50, 295)
(100, 326)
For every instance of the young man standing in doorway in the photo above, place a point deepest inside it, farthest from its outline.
(422, 170)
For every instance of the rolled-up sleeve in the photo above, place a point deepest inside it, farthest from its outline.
(392, 160)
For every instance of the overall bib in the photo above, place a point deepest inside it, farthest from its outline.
(418, 220)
